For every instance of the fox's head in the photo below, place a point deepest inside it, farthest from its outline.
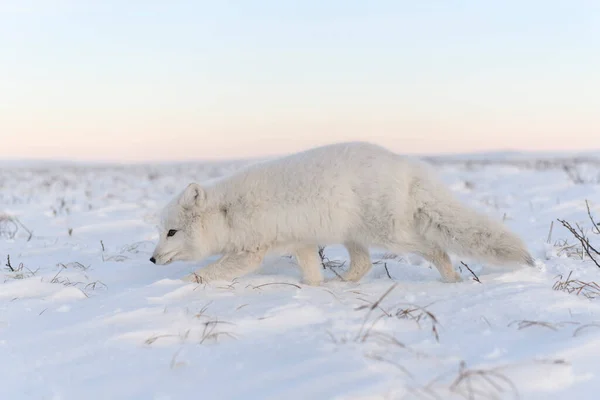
(182, 230)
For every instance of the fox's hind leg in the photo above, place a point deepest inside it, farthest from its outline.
(438, 257)
(360, 261)
(310, 264)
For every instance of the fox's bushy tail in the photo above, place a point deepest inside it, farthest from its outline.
(442, 219)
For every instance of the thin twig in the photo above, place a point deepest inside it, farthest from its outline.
(585, 243)
(595, 226)
(277, 283)
(24, 227)
(322, 255)
(336, 273)
(387, 271)
(102, 245)
(8, 264)
(550, 232)
(582, 327)
(526, 324)
(417, 313)
(475, 277)
(376, 304)
(371, 308)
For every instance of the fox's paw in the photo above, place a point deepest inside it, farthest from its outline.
(311, 282)
(452, 278)
(350, 277)
(195, 277)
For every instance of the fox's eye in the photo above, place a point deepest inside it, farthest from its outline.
(171, 232)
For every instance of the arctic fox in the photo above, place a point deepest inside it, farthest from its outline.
(357, 194)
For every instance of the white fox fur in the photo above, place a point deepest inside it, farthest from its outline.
(356, 194)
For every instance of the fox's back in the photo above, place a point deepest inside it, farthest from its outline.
(325, 169)
(329, 190)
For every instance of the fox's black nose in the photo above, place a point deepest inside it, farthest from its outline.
(153, 260)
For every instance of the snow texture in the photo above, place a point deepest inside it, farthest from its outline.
(85, 315)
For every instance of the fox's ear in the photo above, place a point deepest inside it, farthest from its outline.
(192, 196)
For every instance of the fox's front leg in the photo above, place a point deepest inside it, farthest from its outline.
(228, 267)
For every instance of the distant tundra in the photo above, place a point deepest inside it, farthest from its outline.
(356, 194)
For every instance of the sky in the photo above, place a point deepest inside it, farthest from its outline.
(179, 80)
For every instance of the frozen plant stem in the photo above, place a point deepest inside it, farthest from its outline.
(475, 277)
(8, 264)
(550, 232)
(595, 226)
(585, 243)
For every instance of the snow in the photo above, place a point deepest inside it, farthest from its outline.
(85, 315)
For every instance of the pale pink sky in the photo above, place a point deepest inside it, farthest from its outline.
(117, 82)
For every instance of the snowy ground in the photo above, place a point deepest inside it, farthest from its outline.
(85, 315)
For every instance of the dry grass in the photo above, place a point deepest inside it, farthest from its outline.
(595, 226)
(230, 286)
(18, 272)
(585, 327)
(550, 232)
(134, 248)
(570, 250)
(83, 286)
(202, 312)
(581, 235)
(470, 384)
(116, 257)
(367, 333)
(182, 336)
(95, 285)
(420, 314)
(326, 263)
(277, 283)
(590, 290)
(74, 265)
(385, 267)
(489, 383)
(380, 358)
(10, 227)
(467, 383)
(22, 272)
(573, 174)
(176, 364)
(525, 323)
(363, 333)
(209, 332)
(384, 339)
(407, 311)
